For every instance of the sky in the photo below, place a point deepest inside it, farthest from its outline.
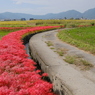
(42, 7)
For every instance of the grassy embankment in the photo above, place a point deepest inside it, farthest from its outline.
(83, 38)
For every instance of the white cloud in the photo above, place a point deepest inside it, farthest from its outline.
(18, 1)
(40, 2)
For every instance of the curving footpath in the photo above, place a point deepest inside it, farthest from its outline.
(67, 80)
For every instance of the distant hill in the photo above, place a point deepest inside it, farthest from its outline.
(89, 14)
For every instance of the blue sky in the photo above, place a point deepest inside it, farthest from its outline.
(41, 7)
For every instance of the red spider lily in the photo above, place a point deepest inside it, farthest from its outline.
(44, 74)
(84, 25)
(14, 28)
(17, 72)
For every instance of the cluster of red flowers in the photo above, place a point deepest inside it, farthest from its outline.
(14, 28)
(17, 73)
(84, 25)
(9, 28)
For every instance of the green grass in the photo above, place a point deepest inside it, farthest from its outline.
(79, 62)
(49, 43)
(83, 38)
(5, 32)
(61, 51)
(70, 59)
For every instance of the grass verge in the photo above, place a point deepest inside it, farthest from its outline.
(83, 38)
(61, 51)
(49, 43)
(5, 32)
(79, 62)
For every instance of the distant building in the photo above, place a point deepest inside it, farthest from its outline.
(77, 18)
(31, 19)
(7, 19)
(22, 19)
(15, 19)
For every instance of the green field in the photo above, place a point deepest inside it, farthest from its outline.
(83, 38)
(5, 32)
(29, 23)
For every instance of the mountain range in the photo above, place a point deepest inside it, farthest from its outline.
(89, 14)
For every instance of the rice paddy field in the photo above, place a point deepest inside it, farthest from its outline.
(29, 23)
(83, 38)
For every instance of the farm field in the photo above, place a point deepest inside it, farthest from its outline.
(65, 23)
(83, 38)
(6, 26)
(13, 56)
